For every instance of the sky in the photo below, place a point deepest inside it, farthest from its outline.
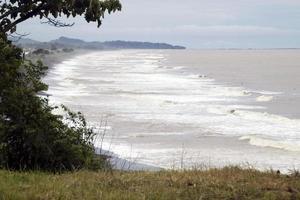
(191, 23)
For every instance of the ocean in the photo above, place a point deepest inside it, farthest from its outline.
(188, 108)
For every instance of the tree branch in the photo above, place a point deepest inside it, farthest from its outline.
(16, 10)
(10, 12)
(23, 18)
(17, 36)
(57, 23)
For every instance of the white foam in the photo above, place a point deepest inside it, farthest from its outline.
(153, 134)
(264, 92)
(263, 142)
(264, 98)
(135, 89)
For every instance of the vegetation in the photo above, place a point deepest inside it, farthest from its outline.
(41, 51)
(67, 50)
(31, 136)
(64, 42)
(36, 141)
(14, 12)
(228, 183)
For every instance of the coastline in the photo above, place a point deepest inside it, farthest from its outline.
(163, 141)
(117, 163)
(57, 57)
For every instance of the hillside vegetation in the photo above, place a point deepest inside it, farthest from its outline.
(64, 42)
(227, 183)
(32, 136)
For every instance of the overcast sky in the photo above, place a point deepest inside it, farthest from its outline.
(192, 23)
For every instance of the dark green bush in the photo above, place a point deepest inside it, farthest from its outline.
(31, 136)
(67, 50)
(41, 52)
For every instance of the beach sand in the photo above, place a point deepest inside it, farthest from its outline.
(130, 164)
(176, 109)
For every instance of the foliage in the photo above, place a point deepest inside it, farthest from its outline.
(67, 50)
(14, 12)
(41, 51)
(31, 136)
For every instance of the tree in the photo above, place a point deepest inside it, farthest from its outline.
(31, 136)
(14, 12)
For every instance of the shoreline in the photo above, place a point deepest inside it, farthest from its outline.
(211, 147)
(58, 57)
(126, 165)
(117, 163)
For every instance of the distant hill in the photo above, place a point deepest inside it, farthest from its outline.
(140, 45)
(64, 42)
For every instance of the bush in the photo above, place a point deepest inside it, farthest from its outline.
(53, 47)
(31, 136)
(67, 50)
(41, 52)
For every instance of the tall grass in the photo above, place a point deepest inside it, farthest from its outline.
(227, 183)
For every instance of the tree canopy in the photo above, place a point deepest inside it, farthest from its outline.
(31, 136)
(14, 12)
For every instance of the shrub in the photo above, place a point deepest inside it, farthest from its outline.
(67, 50)
(31, 136)
(41, 52)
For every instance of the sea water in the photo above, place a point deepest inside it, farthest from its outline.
(189, 108)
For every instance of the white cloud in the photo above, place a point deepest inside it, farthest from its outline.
(207, 31)
(218, 22)
(234, 30)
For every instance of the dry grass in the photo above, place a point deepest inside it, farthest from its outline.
(227, 183)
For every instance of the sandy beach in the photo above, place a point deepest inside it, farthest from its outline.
(131, 164)
(175, 109)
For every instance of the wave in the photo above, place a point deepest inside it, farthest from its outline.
(137, 90)
(153, 134)
(264, 92)
(264, 98)
(263, 142)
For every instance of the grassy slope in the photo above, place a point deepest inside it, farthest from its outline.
(228, 183)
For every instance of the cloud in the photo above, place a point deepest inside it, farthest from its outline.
(190, 22)
(234, 30)
(208, 31)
